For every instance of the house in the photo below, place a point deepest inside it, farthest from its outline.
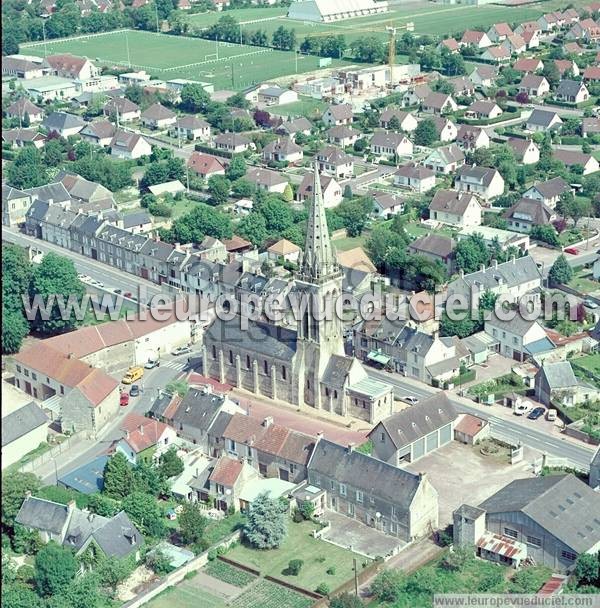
(482, 109)
(543, 120)
(265, 179)
(470, 430)
(496, 54)
(572, 91)
(144, 439)
(292, 127)
(330, 189)
(532, 39)
(232, 142)
(549, 192)
(274, 450)
(446, 130)
(285, 249)
(390, 145)
(89, 397)
(479, 40)
(515, 44)
(438, 103)
(463, 87)
(548, 22)
(276, 96)
(21, 108)
(158, 117)
(335, 162)
(590, 127)
(406, 121)
(586, 29)
(15, 204)
(511, 280)
(99, 132)
(336, 115)
(342, 136)
(417, 178)
(486, 182)
(573, 158)
(415, 431)
(19, 138)
(499, 32)
(534, 85)
(526, 151)
(415, 96)
(471, 137)
(484, 75)
(528, 27)
(122, 109)
(445, 159)
(129, 145)
(205, 165)
(556, 383)
(528, 65)
(69, 66)
(572, 48)
(455, 208)
(114, 538)
(518, 338)
(283, 150)
(137, 222)
(23, 429)
(86, 195)
(22, 67)
(386, 204)
(591, 73)
(495, 238)
(387, 498)
(450, 44)
(63, 123)
(226, 481)
(435, 247)
(190, 128)
(527, 213)
(566, 66)
(522, 522)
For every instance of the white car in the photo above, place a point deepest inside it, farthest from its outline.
(522, 408)
(411, 399)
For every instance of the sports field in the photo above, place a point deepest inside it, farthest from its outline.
(225, 64)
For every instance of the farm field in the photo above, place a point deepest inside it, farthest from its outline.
(227, 65)
(185, 595)
(318, 557)
(265, 594)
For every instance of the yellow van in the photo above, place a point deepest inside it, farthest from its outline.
(133, 374)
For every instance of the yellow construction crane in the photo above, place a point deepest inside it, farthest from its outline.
(392, 30)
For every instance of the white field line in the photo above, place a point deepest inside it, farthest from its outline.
(69, 38)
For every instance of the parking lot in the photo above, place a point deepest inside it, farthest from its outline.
(461, 474)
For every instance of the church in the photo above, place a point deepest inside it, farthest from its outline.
(306, 365)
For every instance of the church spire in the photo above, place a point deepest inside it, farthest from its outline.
(318, 260)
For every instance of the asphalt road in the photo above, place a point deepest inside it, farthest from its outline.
(579, 456)
(111, 277)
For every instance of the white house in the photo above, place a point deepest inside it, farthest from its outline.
(515, 336)
(455, 208)
(127, 145)
(526, 151)
(471, 137)
(391, 145)
(486, 182)
(276, 96)
(416, 178)
(445, 159)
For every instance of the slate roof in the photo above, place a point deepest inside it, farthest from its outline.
(569, 88)
(559, 375)
(293, 126)
(334, 156)
(138, 218)
(122, 105)
(119, 536)
(434, 244)
(55, 192)
(519, 146)
(374, 477)
(58, 121)
(282, 146)
(10, 193)
(529, 210)
(451, 201)
(450, 154)
(388, 139)
(513, 273)
(125, 139)
(157, 112)
(386, 200)
(198, 409)
(415, 172)
(561, 504)
(483, 175)
(265, 177)
(552, 188)
(232, 139)
(191, 122)
(336, 372)
(543, 118)
(417, 421)
(42, 514)
(518, 325)
(22, 421)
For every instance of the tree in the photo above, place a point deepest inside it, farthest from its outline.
(463, 327)
(14, 487)
(26, 541)
(155, 173)
(16, 595)
(102, 505)
(158, 562)
(219, 187)
(147, 479)
(53, 153)
(114, 571)
(388, 585)
(288, 194)
(487, 300)
(170, 465)
(369, 49)
(201, 221)
(236, 169)
(267, 522)
(551, 73)
(192, 523)
(294, 567)
(394, 123)
(587, 569)
(118, 476)
(277, 214)
(145, 513)
(254, 228)
(55, 568)
(193, 98)
(522, 97)
(354, 214)
(560, 273)
(426, 133)
(471, 253)
(545, 233)
(345, 600)
(27, 170)
(14, 330)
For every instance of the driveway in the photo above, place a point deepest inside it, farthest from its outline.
(461, 474)
(358, 537)
(496, 365)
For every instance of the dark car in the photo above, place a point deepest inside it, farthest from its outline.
(536, 413)
(134, 391)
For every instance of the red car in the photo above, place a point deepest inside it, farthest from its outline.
(124, 400)
(572, 250)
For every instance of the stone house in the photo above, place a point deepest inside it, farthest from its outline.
(517, 336)
(15, 204)
(557, 383)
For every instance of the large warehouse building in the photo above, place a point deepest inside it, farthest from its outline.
(334, 10)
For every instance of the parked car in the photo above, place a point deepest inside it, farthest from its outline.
(590, 304)
(551, 415)
(536, 413)
(127, 294)
(133, 374)
(181, 350)
(118, 291)
(152, 363)
(411, 399)
(522, 407)
(572, 250)
(124, 399)
(134, 391)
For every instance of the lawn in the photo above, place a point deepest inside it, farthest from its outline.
(305, 106)
(224, 64)
(318, 557)
(349, 242)
(248, 16)
(589, 362)
(583, 282)
(218, 530)
(265, 594)
(185, 595)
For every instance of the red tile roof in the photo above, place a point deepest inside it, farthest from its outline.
(226, 471)
(204, 164)
(143, 432)
(470, 425)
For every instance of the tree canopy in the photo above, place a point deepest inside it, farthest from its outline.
(267, 522)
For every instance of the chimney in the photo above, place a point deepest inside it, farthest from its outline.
(436, 335)
(70, 356)
(462, 273)
(482, 268)
(495, 263)
(71, 506)
(350, 448)
(514, 259)
(126, 434)
(141, 429)
(267, 422)
(178, 247)
(319, 436)
(28, 494)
